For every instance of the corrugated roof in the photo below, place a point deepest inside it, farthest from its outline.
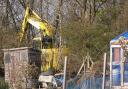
(125, 35)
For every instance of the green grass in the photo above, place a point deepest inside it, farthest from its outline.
(3, 85)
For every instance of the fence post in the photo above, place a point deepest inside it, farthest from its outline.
(104, 71)
(110, 67)
(83, 65)
(65, 70)
(122, 72)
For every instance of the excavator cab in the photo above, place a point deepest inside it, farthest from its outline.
(47, 42)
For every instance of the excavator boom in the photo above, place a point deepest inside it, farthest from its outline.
(32, 18)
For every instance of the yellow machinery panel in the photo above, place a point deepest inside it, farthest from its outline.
(50, 58)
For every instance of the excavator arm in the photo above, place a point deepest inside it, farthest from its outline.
(32, 18)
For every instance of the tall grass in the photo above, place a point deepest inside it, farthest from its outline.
(3, 85)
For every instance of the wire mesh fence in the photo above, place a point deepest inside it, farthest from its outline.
(90, 83)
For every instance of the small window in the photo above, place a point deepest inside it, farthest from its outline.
(116, 55)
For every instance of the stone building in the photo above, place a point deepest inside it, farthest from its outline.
(19, 65)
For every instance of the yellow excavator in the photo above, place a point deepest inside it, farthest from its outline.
(49, 52)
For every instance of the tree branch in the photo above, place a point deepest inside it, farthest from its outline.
(79, 3)
(9, 8)
(22, 3)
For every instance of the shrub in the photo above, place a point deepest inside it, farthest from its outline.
(3, 84)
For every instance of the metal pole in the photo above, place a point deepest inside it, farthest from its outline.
(110, 67)
(65, 70)
(122, 69)
(104, 71)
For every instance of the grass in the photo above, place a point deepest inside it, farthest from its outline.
(3, 85)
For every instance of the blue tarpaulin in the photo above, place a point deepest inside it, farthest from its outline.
(116, 39)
